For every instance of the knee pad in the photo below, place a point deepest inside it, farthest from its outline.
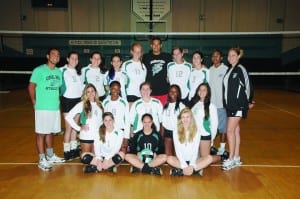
(87, 158)
(213, 150)
(117, 159)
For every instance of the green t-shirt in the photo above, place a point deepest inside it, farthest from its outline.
(47, 83)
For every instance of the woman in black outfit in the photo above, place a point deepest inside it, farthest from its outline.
(237, 99)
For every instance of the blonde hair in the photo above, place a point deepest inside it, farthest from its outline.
(139, 46)
(238, 51)
(192, 127)
(87, 107)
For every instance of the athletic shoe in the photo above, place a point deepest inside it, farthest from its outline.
(156, 171)
(79, 148)
(220, 151)
(134, 170)
(44, 165)
(199, 172)
(90, 169)
(55, 159)
(112, 169)
(213, 150)
(75, 154)
(68, 155)
(224, 156)
(237, 161)
(228, 164)
(176, 172)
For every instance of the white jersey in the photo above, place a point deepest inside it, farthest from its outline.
(206, 127)
(136, 74)
(95, 77)
(111, 146)
(197, 77)
(186, 151)
(119, 77)
(71, 83)
(169, 116)
(216, 75)
(179, 74)
(94, 122)
(140, 107)
(120, 110)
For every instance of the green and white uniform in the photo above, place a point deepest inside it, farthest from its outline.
(140, 107)
(169, 116)
(206, 127)
(119, 77)
(120, 110)
(95, 77)
(186, 151)
(71, 83)
(179, 74)
(136, 74)
(94, 122)
(197, 77)
(111, 146)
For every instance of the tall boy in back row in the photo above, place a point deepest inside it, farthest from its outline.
(156, 63)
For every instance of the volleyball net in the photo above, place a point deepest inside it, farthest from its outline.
(272, 58)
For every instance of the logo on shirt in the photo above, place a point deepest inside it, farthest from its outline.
(157, 66)
(156, 69)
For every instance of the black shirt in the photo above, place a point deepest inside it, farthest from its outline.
(157, 71)
(141, 141)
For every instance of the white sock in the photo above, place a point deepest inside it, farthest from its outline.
(73, 144)
(222, 145)
(42, 156)
(67, 147)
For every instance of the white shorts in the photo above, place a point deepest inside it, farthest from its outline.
(239, 114)
(47, 122)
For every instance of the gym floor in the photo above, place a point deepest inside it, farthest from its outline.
(269, 151)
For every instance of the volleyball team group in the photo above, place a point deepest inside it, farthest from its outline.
(152, 109)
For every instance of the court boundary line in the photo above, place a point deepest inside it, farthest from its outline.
(280, 109)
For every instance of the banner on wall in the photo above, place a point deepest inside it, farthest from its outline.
(80, 42)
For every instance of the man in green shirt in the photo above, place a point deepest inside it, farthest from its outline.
(44, 93)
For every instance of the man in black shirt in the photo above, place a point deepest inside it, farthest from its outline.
(156, 64)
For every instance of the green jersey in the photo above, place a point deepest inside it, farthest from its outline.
(47, 83)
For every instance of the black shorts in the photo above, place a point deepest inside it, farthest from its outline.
(68, 103)
(87, 141)
(168, 133)
(237, 113)
(206, 138)
(132, 98)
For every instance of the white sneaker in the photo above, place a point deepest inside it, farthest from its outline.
(228, 164)
(55, 159)
(220, 151)
(237, 161)
(44, 165)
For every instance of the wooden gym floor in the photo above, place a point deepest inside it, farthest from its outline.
(270, 152)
